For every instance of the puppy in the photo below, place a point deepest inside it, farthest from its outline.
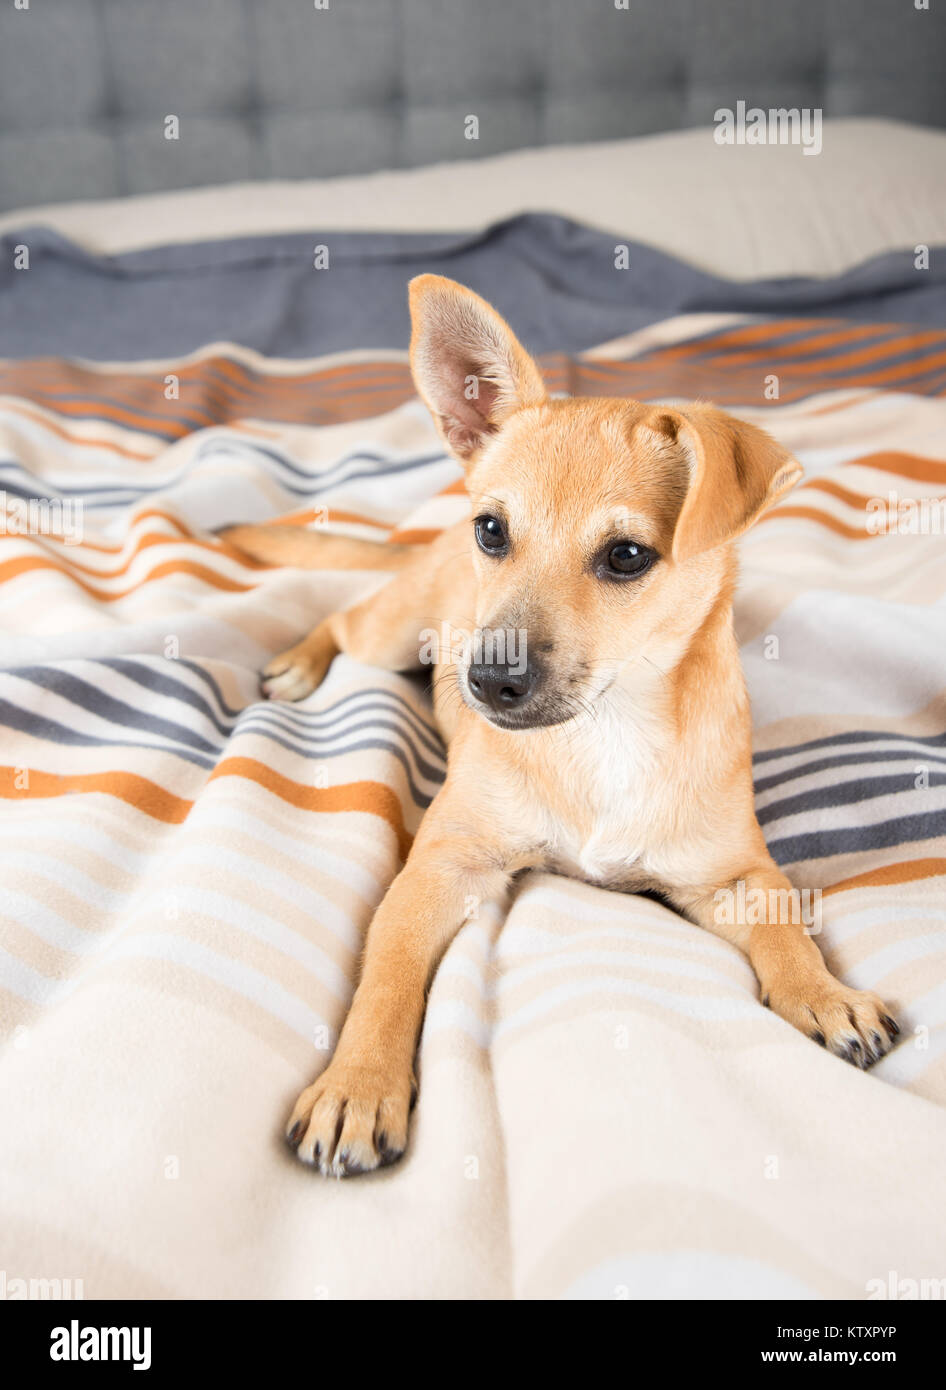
(596, 718)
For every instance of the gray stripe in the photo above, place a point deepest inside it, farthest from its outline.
(845, 794)
(857, 736)
(822, 844)
(91, 697)
(51, 731)
(779, 779)
(153, 679)
(111, 496)
(315, 743)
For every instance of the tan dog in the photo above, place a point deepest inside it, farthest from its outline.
(615, 748)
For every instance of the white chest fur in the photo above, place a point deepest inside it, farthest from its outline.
(612, 780)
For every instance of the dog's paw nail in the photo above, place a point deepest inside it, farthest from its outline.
(891, 1025)
(355, 1120)
(295, 1134)
(765, 1001)
(389, 1153)
(848, 1023)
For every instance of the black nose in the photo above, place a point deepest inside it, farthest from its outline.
(496, 685)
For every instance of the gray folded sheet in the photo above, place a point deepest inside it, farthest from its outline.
(555, 280)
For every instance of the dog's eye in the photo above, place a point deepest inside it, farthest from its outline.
(490, 534)
(629, 559)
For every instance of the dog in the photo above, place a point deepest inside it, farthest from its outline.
(615, 748)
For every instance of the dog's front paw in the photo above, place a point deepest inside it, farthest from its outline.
(853, 1024)
(351, 1120)
(296, 673)
(288, 678)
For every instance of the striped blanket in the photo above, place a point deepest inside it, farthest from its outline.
(607, 1111)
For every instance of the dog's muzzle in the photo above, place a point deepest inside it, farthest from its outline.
(500, 687)
(512, 698)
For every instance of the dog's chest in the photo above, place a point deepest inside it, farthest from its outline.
(608, 807)
(605, 856)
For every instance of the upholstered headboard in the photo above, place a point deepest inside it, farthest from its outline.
(298, 88)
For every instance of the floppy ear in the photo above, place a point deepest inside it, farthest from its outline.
(734, 472)
(469, 368)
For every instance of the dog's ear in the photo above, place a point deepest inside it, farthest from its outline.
(469, 368)
(733, 472)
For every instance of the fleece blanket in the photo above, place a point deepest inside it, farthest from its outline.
(607, 1111)
(565, 287)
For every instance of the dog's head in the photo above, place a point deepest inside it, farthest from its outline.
(601, 526)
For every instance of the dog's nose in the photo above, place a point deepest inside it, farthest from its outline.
(497, 685)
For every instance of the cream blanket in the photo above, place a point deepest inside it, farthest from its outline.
(606, 1110)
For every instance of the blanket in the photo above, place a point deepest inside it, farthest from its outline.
(607, 1111)
(565, 287)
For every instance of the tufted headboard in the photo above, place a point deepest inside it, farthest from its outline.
(300, 88)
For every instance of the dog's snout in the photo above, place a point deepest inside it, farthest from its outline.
(500, 686)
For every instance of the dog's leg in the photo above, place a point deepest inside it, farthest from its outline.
(296, 673)
(384, 629)
(304, 549)
(759, 911)
(354, 1117)
(379, 631)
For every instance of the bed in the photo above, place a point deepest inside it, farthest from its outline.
(608, 1111)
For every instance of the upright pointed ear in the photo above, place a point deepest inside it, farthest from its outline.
(733, 472)
(469, 368)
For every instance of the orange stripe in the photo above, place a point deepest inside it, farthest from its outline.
(148, 541)
(921, 470)
(415, 535)
(327, 515)
(56, 375)
(654, 379)
(815, 341)
(848, 495)
(121, 416)
(749, 333)
(375, 798)
(854, 397)
(455, 489)
(345, 392)
(908, 872)
(19, 409)
(833, 489)
(155, 512)
(851, 533)
(256, 430)
(776, 355)
(137, 791)
(218, 390)
(14, 568)
(133, 395)
(856, 359)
